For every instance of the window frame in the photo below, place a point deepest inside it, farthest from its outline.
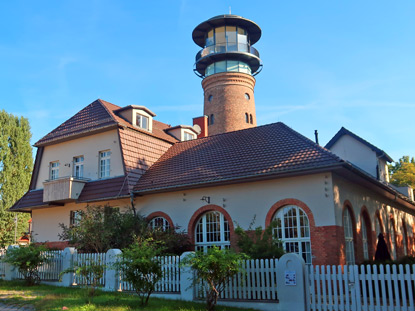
(104, 173)
(205, 226)
(165, 225)
(302, 241)
(74, 218)
(54, 170)
(349, 237)
(139, 121)
(78, 164)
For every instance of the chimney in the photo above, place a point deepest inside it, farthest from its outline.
(202, 123)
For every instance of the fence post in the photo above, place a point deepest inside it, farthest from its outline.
(112, 277)
(292, 283)
(67, 263)
(10, 271)
(186, 280)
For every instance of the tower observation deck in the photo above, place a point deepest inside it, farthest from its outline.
(228, 63)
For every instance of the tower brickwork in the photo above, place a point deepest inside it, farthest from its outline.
(229, 98)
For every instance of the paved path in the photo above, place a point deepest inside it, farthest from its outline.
(13, 307)
(20, 306)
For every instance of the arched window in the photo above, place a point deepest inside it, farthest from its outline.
(293, 229)
(250, 119)
(211, 119)
(364, 239)
(159, 223)
(404, 238)
(210, 98)
(392, 232)
(348, 236)
(246, 118)
(212, 229)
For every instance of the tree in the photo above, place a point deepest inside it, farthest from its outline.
(403, 172)
(259, 243)
(213, 270)
(15, 171)
(140, 266)
(101, 228)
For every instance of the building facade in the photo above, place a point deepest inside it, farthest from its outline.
(329, 203)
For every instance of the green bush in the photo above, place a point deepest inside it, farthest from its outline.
(28, 259)
(213, 269)
(89, 273)
(140, 267)
(259, 243)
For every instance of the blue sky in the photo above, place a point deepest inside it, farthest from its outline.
(327, 64)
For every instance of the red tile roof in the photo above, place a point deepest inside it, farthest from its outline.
(139, 151)
(256, 152)
(97, 116)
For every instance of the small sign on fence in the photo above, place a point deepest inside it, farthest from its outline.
(290, 278)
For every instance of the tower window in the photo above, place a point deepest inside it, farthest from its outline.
(211, 119)
(210, 98)
(250, 119)
(246, 118)
(247, 97)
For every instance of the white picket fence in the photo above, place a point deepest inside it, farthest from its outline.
(170, 281)
(256, 281)
(85, 259)
(51, 270)
(362, 288)
(2, 265)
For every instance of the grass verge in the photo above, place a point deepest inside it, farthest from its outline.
(51, 298)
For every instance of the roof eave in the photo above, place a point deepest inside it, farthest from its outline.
(238, 179)
(78, 135)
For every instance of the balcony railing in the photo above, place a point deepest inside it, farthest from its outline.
(215, 49)
(63, 189)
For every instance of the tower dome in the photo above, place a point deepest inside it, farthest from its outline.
(228, 63)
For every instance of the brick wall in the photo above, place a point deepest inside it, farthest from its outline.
(224, 97)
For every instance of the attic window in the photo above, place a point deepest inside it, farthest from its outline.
(142, 121)
(188, 136)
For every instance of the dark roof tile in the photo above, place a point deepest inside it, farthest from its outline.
(268, 149)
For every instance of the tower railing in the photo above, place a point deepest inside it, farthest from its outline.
(223, 48)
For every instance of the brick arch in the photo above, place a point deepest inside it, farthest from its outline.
(209, 208)
(161, 214)
(274, 208)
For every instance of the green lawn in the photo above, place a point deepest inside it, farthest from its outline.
(48, 298)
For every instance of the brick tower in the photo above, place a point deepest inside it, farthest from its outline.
(228, 63)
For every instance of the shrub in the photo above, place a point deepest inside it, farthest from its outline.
(213, 269)
(28, 259)
(140, 267)
(102, 228)
(89, 273)
(259, 243)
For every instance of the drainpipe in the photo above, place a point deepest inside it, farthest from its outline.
(132, 203)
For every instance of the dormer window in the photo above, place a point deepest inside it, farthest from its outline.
(54, 170)
(142, 121)
(188, 136)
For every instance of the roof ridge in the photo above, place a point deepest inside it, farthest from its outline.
(313, 144)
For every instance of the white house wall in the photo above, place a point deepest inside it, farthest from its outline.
(89, 147)
(246, 200)
(352, 150)
(359, 196)
(45, 222)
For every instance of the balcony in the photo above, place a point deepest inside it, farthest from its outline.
(64, 189)
(229, 48)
